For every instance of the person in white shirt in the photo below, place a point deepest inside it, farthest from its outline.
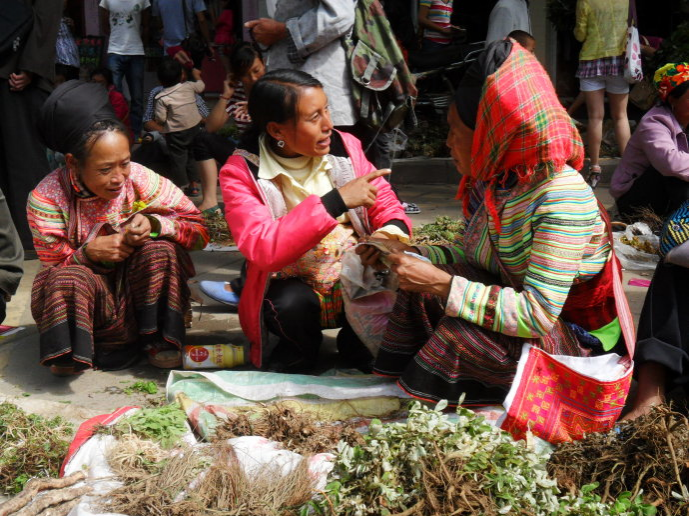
(126, 24)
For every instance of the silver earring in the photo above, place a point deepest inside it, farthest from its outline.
(281, 144)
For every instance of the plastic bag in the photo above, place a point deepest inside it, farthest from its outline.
(632, 258)
(369, 297)
(360, 281)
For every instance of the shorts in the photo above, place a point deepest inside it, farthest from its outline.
(610, 83)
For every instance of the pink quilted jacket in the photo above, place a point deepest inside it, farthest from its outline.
(270, 240)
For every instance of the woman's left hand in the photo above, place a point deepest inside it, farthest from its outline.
(138, 231)
(419, 276)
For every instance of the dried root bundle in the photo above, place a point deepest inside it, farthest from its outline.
(297, 431)
(650, 453)
(208, 482)
(44, 496)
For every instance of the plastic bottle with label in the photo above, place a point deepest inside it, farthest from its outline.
(215, 356)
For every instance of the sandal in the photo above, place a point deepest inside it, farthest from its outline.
(167, 359)
(63, 371)
(192, 190)
(411, 208)
(593, 176)
(211, 212)
(163, 355)
(217, 292)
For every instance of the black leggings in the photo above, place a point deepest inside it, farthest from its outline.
(183, 167)
(663, 335)
(662, 194)
(292, 311)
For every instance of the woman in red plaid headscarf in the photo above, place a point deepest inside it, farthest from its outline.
(533, 264)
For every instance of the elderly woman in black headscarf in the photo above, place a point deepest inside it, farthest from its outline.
(112, 238)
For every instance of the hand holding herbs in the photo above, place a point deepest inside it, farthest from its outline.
(138, 230)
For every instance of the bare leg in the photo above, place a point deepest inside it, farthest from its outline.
(618, 111)
(596, 111)
(208, 172)
(650, 389)
(578, 101)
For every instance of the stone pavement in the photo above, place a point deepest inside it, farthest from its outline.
(33, 387)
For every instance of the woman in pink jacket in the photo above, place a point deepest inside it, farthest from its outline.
(297, 194)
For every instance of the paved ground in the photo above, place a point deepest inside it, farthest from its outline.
(24, 381)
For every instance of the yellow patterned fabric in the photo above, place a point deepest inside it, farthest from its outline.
(601, 25)
(320, 269)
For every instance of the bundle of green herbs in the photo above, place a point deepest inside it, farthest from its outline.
(164, 425)
(32, 446)
(434, 464)
(427, 140)
(444, 230)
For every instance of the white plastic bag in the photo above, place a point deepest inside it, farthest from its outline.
(633, 72)
(360, 281)
(630, 257)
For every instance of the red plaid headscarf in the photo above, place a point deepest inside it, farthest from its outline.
(521, 127)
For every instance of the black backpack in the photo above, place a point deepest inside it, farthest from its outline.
(16, 19)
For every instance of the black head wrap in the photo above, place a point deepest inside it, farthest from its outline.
(468, 93)
(70, 111)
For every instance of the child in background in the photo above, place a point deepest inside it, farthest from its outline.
(103, 76)
(524, 39)
(177, 113)
(247, 67)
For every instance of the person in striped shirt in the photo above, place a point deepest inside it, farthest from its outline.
(247, 67)
(435, 18)
(534, 263)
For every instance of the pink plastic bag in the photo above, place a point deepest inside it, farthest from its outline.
(368, 299)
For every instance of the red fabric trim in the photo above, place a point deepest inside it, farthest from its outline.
(591, 304)
(88, 428)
